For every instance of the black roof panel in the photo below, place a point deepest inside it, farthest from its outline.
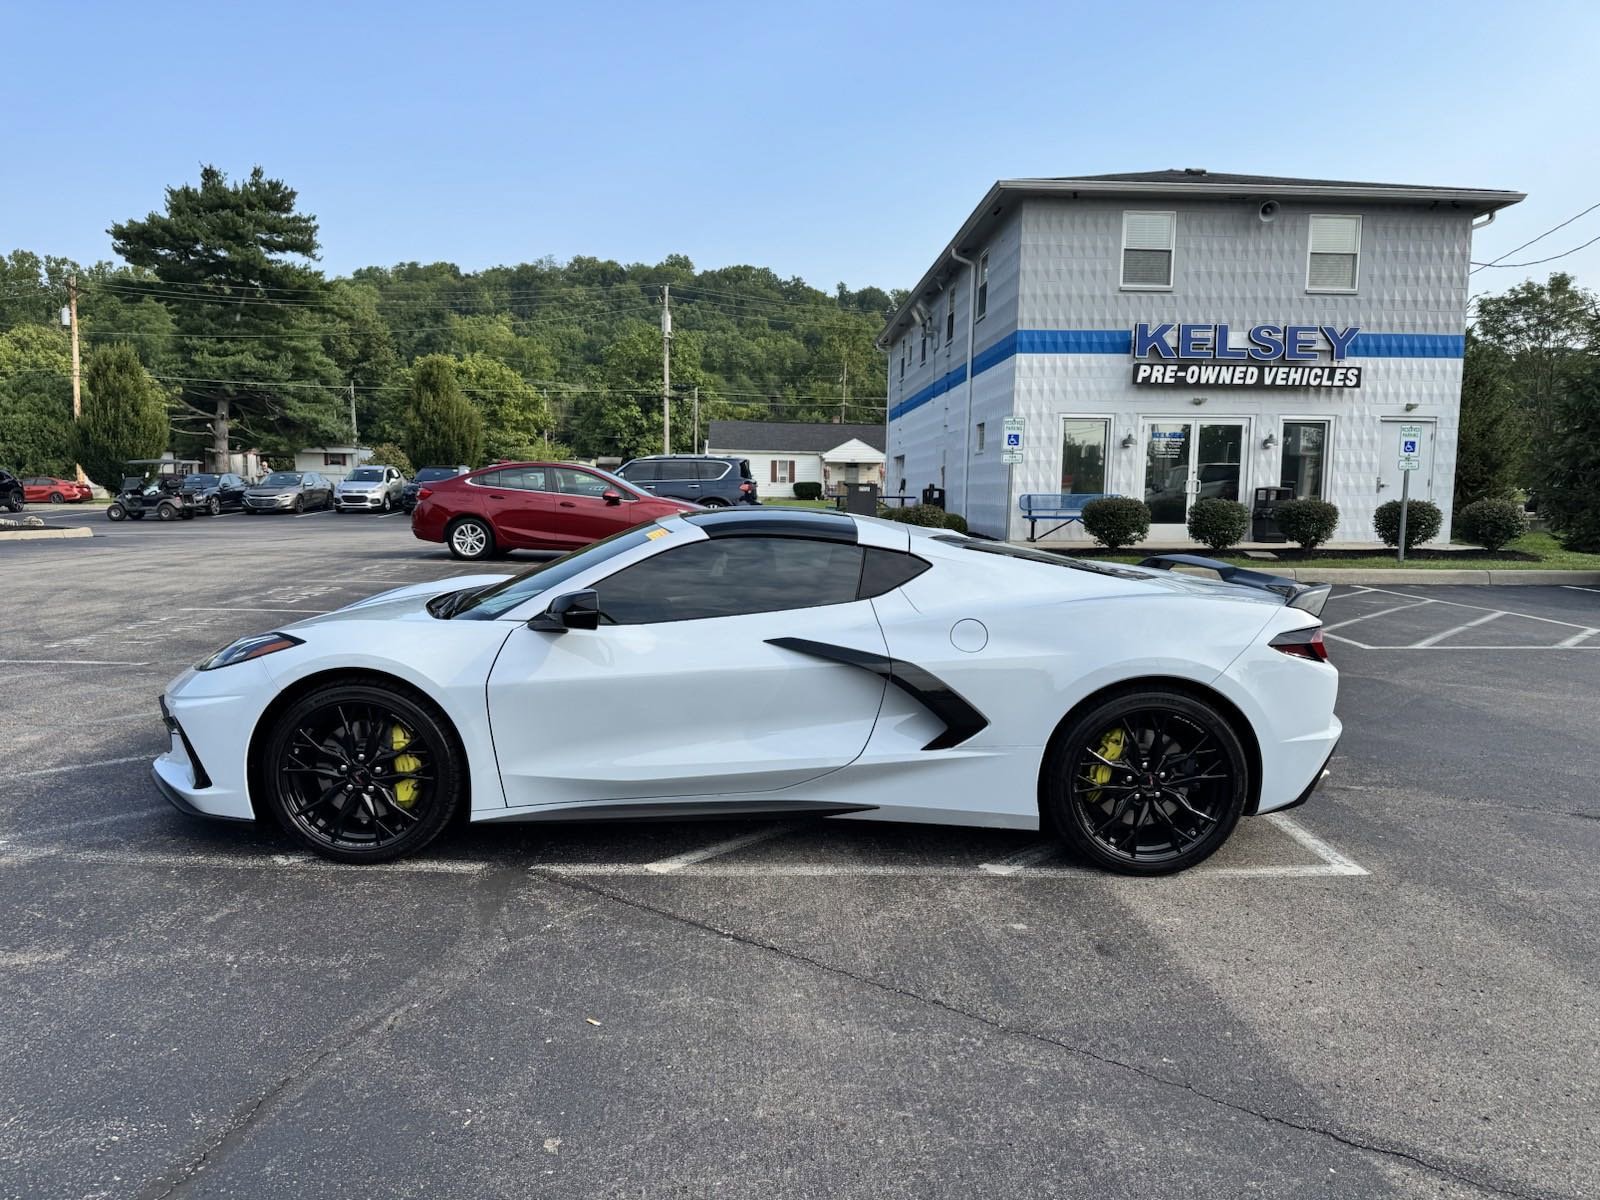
(776, 522)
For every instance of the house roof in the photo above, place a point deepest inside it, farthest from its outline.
(798, 437)
(1196, 182)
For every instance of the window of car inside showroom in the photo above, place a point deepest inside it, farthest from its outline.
(1177, 335)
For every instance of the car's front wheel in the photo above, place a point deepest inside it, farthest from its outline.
(299, 504)
(166, 511)
(214, 507)
(1146, 782)
(471, 539)
(362, 774)
(115, 512)
(15, 501)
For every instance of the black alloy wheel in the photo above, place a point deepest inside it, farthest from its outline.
(1147, 782)
(15, 501)
(362, 774)
(214, 507)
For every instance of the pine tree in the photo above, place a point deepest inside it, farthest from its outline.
(1492, 438)
(124, 415)
(442, 426)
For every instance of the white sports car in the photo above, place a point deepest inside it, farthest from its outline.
(773, 662)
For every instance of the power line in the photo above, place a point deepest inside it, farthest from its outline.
(1494, 262)
(1534, 262)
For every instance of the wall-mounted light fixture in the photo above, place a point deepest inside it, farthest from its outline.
(1128, 442)
(1411, 406)
(1198, 400)
(1268, 442)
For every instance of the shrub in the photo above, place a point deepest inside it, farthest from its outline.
(1423, 520)
(1116, 521)
(955, 521)
(389, 455)
(808, 489)
(1491, 523)
(930, 516)
(1308, 523)
(1218, 523)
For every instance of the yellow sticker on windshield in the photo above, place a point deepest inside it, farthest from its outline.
(657, 533)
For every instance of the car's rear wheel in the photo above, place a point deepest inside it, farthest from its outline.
(57, 498)
(712, 502)
(471, 539)
(116, 512)
(1147, 782)
(362, 774)
(167, 511)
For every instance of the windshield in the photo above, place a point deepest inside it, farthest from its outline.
(281, 479)
(199, 481)
(366, 475)
(427, 474)
(501, 598)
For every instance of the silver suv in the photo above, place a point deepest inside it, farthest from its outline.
(372, 487)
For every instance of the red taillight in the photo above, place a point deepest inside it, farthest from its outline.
(424, 493)
(747, 487)
(1302, 643)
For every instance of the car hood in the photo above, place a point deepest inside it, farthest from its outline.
(275, 491)
(398, 603)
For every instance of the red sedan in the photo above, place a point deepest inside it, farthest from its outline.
(532, 506)
(42, 489)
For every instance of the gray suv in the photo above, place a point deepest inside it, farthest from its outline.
(373, 487)
(714, 482)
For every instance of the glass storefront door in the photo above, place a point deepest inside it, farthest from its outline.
(1186, 461)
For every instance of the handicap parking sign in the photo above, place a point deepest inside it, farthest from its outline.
(1408, 445)
(1013, 439)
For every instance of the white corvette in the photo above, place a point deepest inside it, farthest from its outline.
(775, 662)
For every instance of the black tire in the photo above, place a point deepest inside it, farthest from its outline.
(115, 512)
(712, 502)
(15, 501)
(166, 511)
(299, 504)
(337, 766)
(1147, 782)
(470, 539)
(214, 507)
(57, 498)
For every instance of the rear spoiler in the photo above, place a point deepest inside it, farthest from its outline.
(1308, 597)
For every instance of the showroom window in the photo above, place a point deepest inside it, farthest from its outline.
(1147, 245)
(730, 577)
(1335, 254)
(1305, 458)
(1084, 441)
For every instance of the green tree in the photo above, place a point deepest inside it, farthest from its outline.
(36, 400)
(516, 417)
(233, 266)
(442, 427)
(1492, 438)
(1568, 479)
(124, 414)
(390, 455)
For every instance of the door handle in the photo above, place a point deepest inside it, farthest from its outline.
(568, 504)
(492, 496)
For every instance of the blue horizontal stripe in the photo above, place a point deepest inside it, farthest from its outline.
(1120, 342)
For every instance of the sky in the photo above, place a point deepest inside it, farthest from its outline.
(835, 142)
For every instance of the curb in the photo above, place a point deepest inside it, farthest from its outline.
(36, 535)
(1440, 576)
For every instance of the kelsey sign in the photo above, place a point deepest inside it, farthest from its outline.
(1284, 356)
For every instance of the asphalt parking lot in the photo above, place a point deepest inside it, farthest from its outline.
(1390, 992)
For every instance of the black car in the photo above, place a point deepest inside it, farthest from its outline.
(216, 493)
(10, 491)
(714, 482)
(425, 476)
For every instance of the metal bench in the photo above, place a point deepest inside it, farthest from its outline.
(1062, 507)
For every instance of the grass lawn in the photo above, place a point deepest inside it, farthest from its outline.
(1547, 551)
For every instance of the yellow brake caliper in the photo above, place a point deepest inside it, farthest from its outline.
(405, 790)
(1111, 747)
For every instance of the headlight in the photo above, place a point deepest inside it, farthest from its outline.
(247, 648)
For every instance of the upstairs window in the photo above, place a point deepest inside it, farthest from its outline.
(950, 317)
(983, 286)
(924, 361)
(1147, 244)
(1335, 254)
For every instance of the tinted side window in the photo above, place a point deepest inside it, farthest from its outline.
(489, 479)
(710, 468)
(884, 570)
(675, 471)
(641, 472)
(525, 479)
(728, 577)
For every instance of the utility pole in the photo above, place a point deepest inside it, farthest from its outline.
(77, 372)
(666, 368)
(355, 437)
(844, 387)
(696, 447)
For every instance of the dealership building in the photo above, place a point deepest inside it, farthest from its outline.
(1173, 335)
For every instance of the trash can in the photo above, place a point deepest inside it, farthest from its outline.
(861, 499)
(1264, 514)
(933, 495)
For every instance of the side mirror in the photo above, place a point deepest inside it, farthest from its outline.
(575, 610)
(611, 496)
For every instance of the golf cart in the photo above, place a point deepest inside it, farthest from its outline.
(157, 488)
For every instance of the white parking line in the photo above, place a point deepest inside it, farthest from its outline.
(1439, 637)
(1582, 635)
(104, 762)
(1572, 587)
(1382, 612)
(69, 662)
(1023, 858)
(237, 608)
(1333, 862)
(677, 862)
(1505, 612)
